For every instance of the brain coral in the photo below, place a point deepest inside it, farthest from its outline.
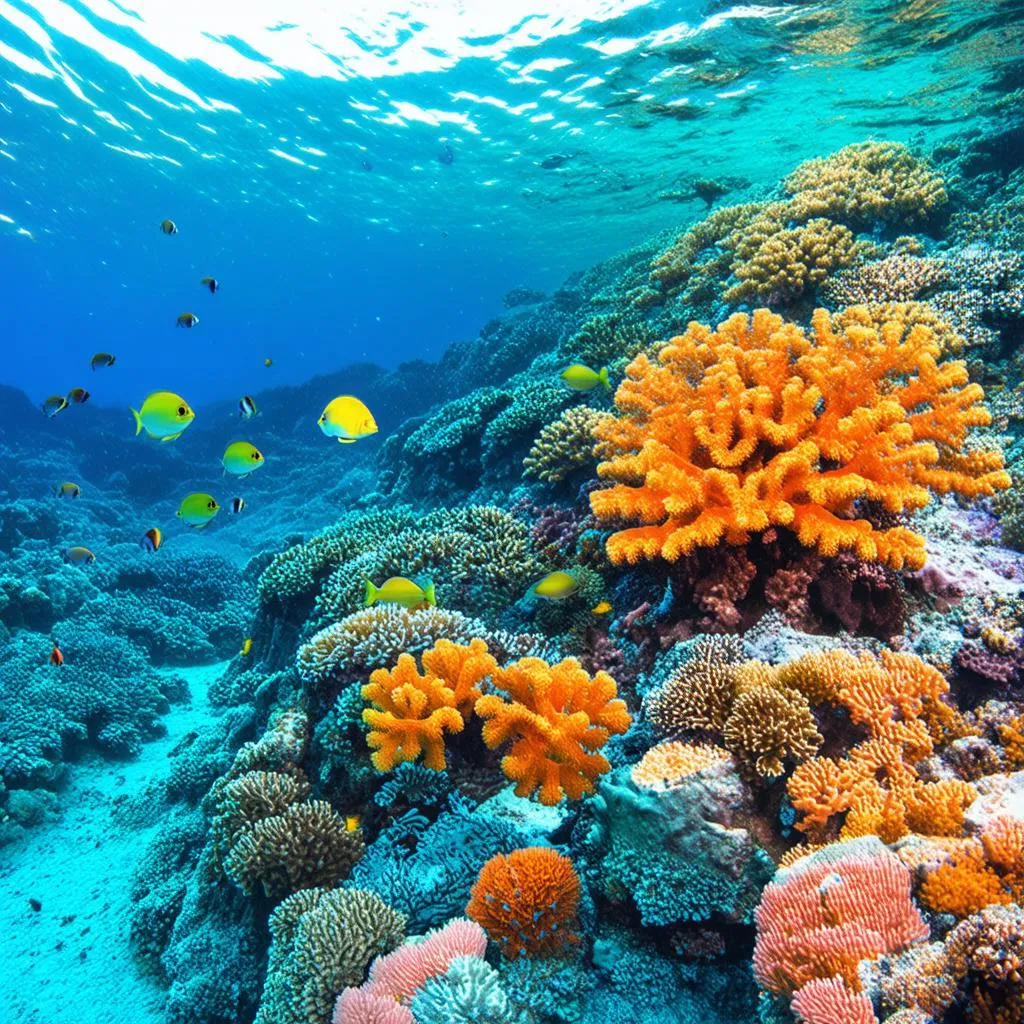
(757, 424)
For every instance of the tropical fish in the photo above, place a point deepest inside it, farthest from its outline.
(78, 395)
(583, 378)
(79, 555)
(556, 586)
(246, 647)
(446, 156)
(56, 656)
(212, 283)
(237, 504)
(188, 320)
(347, 419)
(67, 490)
(246, 407)
(352, 822)
(163, 415)
(168, 227)
(366, 165)
(102, 360)
(399, 590)
(152, 539)
(197, 509)
(54, 404)
(268, 361)
(601, 608)
(241, 458)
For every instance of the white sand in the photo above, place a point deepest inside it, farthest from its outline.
(70, 962)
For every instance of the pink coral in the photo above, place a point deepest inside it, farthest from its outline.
(399, 974)
(358, 1006)
(829, 1001)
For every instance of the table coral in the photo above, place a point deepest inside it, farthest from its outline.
(557, 717)
(728, 431)
(527, 901)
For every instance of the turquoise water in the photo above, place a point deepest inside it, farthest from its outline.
(260, 732)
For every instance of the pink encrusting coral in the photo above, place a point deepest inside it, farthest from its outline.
(829, 913)
(359, 1006)
(395, 978)
(829, 1001)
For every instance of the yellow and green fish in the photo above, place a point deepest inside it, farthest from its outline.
(347, 419)
(164, 415)
(53, 405)
(211, 283)
(583, 378)
(79, 555)
(78, 395)
(241, 458)
(246, 647)
(67, 490)
(197, 509)
(187, 320)
(168, 227)
(399, 590)
(556, 586)
(102, 360)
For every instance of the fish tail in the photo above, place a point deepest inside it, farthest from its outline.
(603, 378)
(371, 593)
(428, 595)
(138, 423)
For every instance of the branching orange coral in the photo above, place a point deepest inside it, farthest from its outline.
(557, 717)
(758, 424)
(413, 712)
(526, 902)
(829, 1001)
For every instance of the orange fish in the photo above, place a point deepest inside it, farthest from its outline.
(56, 658)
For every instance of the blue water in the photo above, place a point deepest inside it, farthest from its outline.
(437, 206)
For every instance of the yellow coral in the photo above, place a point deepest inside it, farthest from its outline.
(768, 725)
(564, 445)
(756, 424)
(557, 717)
(665, 765)
(910, 314)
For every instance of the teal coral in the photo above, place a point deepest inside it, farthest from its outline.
(470, 992)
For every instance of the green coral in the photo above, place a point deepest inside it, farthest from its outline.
(323, 940)
(564, 445)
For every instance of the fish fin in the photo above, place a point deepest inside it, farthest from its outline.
(138, 423)
(428, 595)
(172, 437)
(603, 378)
(371, 594)
(346, 440)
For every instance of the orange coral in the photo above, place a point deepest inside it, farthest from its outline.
(414, 711)
(557, 717)
(963, 886)
(830, 912)
(526, 902)
(900, 701)
(829, 1001)
(664, 765)
(756, 424)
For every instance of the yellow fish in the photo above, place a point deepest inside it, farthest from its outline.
(164, 415)
(67, 490)
(198, 509)
(352, 822)
(347, 419)
(102, 360)
(242, 458)
(168, 227)
(187, 320)
(601, 608)
(583, 378)
(246, 647)
(268, 361)
(399, 590)
(556, 586)
(79, 555)
(54, 404)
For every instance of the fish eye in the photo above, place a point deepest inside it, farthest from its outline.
(182, 410)
(256, 456)
(211, 504)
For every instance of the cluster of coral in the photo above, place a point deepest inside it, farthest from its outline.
(762, 761)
